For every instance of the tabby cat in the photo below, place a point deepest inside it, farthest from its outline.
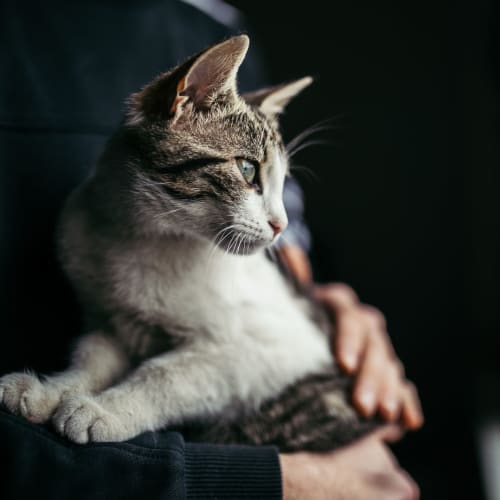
(189, 323)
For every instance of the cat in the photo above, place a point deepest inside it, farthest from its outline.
(190, 324)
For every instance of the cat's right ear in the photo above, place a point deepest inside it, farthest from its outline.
(196, 84)
(273, 100)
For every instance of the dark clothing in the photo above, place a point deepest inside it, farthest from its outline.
(39, 464)
(66, 69)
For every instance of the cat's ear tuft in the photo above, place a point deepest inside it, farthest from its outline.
(195, 84)
(273, 100)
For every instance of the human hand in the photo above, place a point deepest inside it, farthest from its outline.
(363, 348)
(364, 470)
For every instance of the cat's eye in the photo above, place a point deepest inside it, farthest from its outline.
(248, 170)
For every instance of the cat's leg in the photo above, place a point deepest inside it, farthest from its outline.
(96, 362)
(313, 414)
(164, 390)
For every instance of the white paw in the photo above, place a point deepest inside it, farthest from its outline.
(25, 395)
(83, 419)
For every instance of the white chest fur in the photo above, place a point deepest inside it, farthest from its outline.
(237, 309)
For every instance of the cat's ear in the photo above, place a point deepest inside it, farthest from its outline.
(195, 84)
(212, 73)
(273, 100)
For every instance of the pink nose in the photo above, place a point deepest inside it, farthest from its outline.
(277, 228)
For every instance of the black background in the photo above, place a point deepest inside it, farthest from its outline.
(405, 204)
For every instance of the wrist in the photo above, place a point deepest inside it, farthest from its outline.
(288, 476)
(300, 475)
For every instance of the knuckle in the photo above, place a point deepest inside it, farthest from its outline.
(343, 292)
(399, 368)
(411, 388)
(411, 490)
(408, 488)
(345, 289)
(349, 326)
(393, 375)
(373, 316)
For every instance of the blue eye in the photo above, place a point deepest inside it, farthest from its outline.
(248, 170)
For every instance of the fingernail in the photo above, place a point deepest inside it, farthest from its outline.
(418, 421)
(367, 399)
(349, 359)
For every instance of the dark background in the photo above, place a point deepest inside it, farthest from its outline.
(405, 204)
(404, 207)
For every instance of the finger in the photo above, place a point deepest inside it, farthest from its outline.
(376, 318)
(298, 263)
(368, 383)
(350, 340)
(412, 414)
(390, 400)
(377, 325)
(389, 433)
(336, 295)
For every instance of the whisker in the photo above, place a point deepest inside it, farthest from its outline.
(321, 126)
(217, 242)
(241, 238)
(307, 144)
(307, 170)
(247, 244)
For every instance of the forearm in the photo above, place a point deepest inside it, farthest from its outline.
(42, 465)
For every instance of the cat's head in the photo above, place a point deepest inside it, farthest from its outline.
(212, 162)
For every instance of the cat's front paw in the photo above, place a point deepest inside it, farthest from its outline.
(83, 419)
(24, 394)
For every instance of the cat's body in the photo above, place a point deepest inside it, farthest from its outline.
(190, 324)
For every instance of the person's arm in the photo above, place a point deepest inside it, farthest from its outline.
(155, 466)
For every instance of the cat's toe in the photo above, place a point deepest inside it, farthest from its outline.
(68, 426)
(38, 402)
(106, 428)
(13, 387)
(76, 427)
(83, 419)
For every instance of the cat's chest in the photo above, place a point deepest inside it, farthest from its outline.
(238, 311)
(276, 342)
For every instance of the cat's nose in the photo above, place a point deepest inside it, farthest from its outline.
(277, 227)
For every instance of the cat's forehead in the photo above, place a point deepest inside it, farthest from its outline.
(234, 132)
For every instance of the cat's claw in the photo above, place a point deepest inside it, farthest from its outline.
(83, 419)
(23, 394)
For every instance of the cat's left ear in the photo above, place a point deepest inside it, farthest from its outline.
(211, 74)
(273, 100)
(195, 84)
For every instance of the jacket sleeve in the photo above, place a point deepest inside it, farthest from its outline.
(40, 464)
